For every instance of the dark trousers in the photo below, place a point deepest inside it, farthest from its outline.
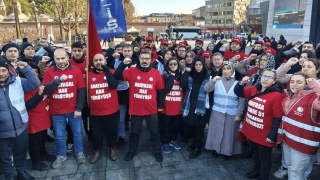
(107, 126)
(196, 132)
(261, 159)
(84, 114)
(17, 147)
(136, 125)
(169, 128)
(37, 146)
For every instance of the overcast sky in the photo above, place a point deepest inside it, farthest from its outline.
(145, 7)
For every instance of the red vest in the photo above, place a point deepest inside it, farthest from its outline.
(298, 127)
(39, 117)
(229, 55)
(261, 111)
(102, 100)
(173, 100)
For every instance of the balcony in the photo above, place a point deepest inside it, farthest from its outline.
(219, 17)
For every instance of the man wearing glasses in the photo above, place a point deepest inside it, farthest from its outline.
(145, 100)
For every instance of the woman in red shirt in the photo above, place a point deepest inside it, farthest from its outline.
(173, 97)
(262, 120)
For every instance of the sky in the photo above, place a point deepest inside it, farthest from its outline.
(146, 7)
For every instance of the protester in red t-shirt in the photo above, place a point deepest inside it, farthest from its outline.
(145, 100)
(104, 107)
(173, 98)
(78, 59)
(66, 103)
(37, 105)
(262, 120)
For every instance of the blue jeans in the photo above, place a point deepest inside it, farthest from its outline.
(121, 126)
(59, 124)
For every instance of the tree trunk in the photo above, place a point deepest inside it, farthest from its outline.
(62, 33)
(16, 15)
(69, 36)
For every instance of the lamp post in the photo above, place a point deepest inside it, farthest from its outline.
(35, 13)
(16, 16)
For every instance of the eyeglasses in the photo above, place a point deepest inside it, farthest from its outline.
(267, 77)
(173, 64)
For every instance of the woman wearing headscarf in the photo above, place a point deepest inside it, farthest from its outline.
(262, 120)
(194, 105)
(299, 130)
(173, 97)
(226, 114)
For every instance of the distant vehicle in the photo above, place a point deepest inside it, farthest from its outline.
(243, 35)
(189, 32)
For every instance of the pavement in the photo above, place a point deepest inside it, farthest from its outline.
(175, 166)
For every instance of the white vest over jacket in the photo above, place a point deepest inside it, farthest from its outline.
(225, 102)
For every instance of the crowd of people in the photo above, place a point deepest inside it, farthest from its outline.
(251, 102)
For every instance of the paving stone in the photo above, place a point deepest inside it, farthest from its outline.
(121, 174)
(67, 167)
(100, 165)
(120, 163)
(154, 172)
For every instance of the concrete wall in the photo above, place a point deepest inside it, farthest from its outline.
(290, 34)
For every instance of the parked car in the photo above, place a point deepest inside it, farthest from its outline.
(243, 35)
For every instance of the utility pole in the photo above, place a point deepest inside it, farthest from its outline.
(16, 16)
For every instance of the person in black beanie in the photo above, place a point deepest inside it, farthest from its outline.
(14, 119)
(28, 54)
(11, 54)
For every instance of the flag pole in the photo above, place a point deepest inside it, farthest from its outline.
(87, 59)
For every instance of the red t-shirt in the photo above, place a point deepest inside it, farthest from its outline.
(143, 88)
(63, 99)
(82, 66)
(229, 55)
(173, 100)
(39, 116)
(260, 113)
(102, 100)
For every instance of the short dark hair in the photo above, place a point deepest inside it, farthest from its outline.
(118, 46)
(77, 45)
(127, 46)
(281, 43)
(309, 42)
(144, 52)
(182, 47)
(309, 53)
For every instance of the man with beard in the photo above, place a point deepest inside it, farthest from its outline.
(235, 47)
(280, 46)
(257, 48)
(78, 59)
(163, 46)
(104, 107)
(66, 103)
(145, 100)
(198, 49)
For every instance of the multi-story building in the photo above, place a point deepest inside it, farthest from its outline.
(254, 15)
(225, 15)
(199, 12)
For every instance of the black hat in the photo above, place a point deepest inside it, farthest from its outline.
(24, 45)
(10, 45)
(4, 64)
